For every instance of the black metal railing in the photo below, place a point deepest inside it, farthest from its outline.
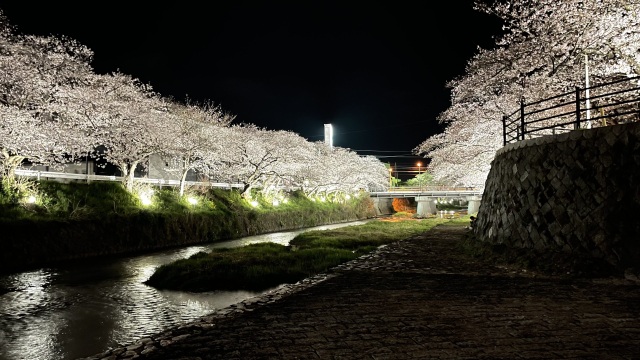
(616, 102)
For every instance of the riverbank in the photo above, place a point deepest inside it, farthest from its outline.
(422, 297)
(85, 307)
(262, 266)
(81, 221)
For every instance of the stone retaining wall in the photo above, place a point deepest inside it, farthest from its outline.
(577, 192)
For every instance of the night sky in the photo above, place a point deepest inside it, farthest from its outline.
(375, 70)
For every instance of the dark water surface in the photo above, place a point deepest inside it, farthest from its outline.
(82, 309)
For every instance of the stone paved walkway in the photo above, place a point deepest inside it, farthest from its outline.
(417, 299)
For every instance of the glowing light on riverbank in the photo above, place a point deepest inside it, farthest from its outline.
(145, 196)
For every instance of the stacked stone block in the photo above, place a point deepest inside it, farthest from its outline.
(577, 192)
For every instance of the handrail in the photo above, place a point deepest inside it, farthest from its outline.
(434, 188)
(517, 125)
(90, 177)
(423, 192)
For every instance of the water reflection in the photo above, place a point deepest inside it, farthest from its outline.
(82, 309)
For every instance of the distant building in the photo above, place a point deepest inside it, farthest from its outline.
(80, 167)
(156, 167)
(328, 135)
(162, 167)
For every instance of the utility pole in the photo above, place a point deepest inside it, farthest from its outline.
(586, 81)
(418, 176)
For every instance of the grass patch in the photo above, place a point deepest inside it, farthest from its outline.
(94, 201)
(252, 267)
(262, 266)
(79, 220)
(459, 221)
(363, 238)
(403, 215)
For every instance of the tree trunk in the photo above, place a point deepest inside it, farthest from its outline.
(183, 178)
(246, 191)
(10, 164)
(186, 166)
(132, 173)
(124, 169)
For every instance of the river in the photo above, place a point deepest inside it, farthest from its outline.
(83, 308)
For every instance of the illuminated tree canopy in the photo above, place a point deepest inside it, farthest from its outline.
(35, 74)
(55, 109)
(541, 53)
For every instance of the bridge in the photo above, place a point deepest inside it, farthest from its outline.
(427, 196)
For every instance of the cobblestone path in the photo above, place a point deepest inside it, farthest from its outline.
(420, 298)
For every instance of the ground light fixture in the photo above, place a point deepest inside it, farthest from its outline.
(145, 197)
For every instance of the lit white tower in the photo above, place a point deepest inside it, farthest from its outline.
(328, 135)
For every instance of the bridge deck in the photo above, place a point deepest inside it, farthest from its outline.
(413, 192)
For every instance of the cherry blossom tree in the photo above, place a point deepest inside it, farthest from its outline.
(35, 73)
(340, 170)
(257, 157)
(297, 156)
(371, 174)
(273, 160)
(125, 117)
(55, 108)
(542, 52)
(16, 128)
(196, 140)
(553, 36)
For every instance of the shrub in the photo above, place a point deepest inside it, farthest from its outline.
(403, 205)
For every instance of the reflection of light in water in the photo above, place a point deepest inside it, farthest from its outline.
(22, 335)
(145, 271)
(188, 252)
(282, 238)
(194, 305)
(139, 312)
(30, 293)
(141, 268)
(79, 311)
(36, 341)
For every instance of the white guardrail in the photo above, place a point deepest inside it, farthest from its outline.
(162, 182)
(394, 191)
(428, 191)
